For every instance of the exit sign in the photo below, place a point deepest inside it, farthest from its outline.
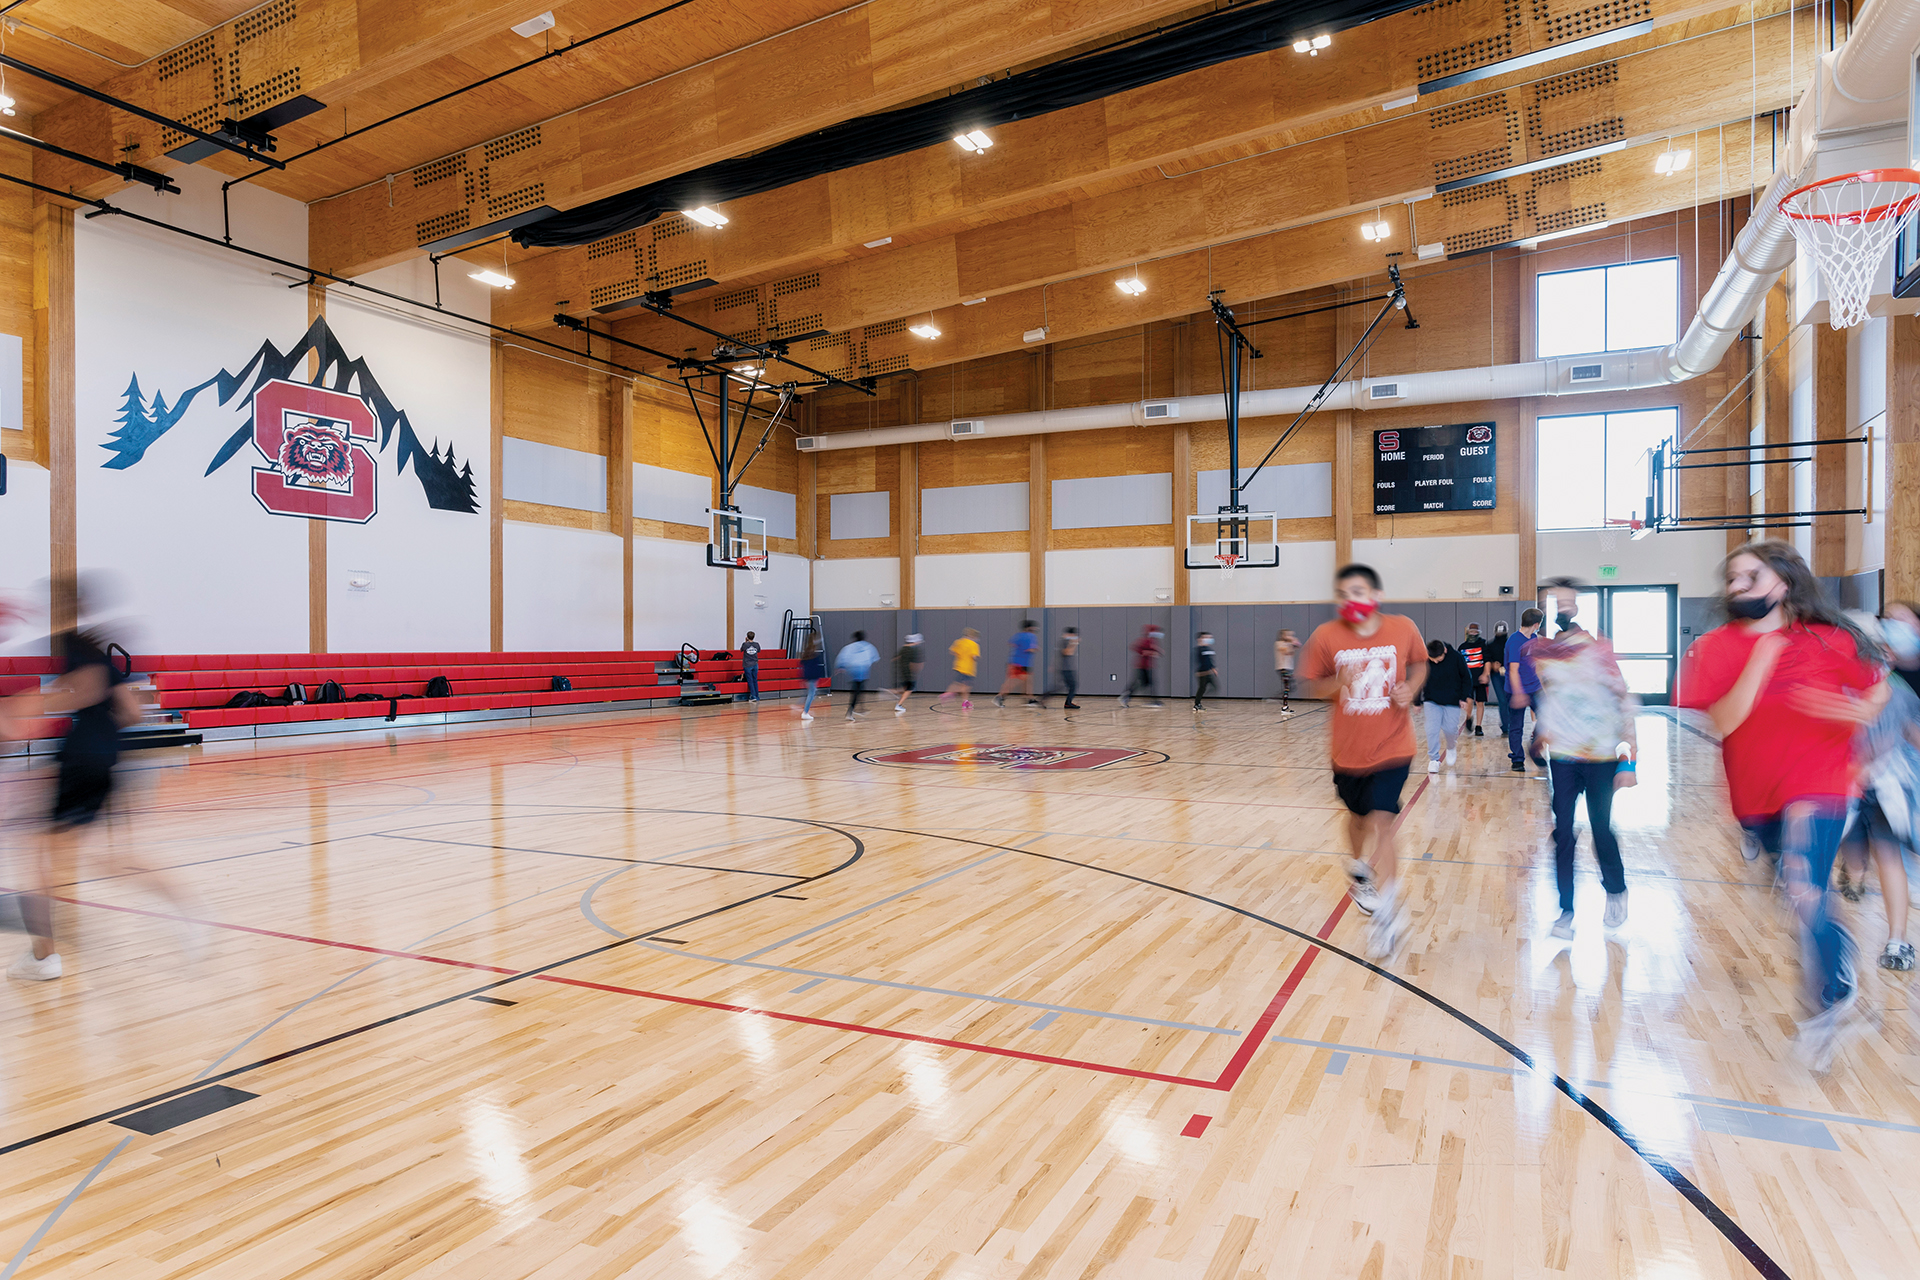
(1609, 570)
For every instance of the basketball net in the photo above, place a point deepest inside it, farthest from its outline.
(1608, 540)
(1846, 225)
(755, 565)
(1226, 565)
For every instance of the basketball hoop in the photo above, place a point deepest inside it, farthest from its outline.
(755, 565)
(1847, 224)
(1227, 562)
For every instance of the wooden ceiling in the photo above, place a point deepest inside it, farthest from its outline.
(1252, 176)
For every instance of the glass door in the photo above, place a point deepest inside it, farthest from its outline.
(1642, 623)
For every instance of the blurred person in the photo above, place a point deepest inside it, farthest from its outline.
(1446, 700)
(1882, 822)
(1145, 650)
(1585, 718)
(1023, 655)
(1369, 665)
(1903, 642)
(1523, 687)
(856, 659)
(1286, 651)
(1788, 682)
(813, 669)
(750, 666)
(906, 669)
(1474, 651)
(1497, 671)
(966, 665)
(1206, 670)
(1069, 665)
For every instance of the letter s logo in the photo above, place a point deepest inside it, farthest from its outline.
(341, 489)
(1388, 441)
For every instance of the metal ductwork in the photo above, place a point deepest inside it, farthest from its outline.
(1861, 86)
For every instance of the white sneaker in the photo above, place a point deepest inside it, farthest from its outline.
(1383, 932)
(804, 717)
(27, 969)
(1563, 927)
(1433, 766)
(1820, 1035)
(1453, 757)
(1616, 909)
(899, 711)
(1360, 885)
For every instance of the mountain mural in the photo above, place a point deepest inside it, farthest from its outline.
(447, 485)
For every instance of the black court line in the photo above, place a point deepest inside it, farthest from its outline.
(1723, 1222)
(789, 897)
(504, 1004)
(165, 1095)
(678, 942)
(184, 1110)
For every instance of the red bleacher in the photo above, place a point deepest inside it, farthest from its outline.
(197, 687)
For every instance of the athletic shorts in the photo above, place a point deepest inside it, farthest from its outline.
(963, 677)
(1479, 693)
(1365, 793)
(82, 792)
(1867, 822)
(1015, 671)
(905, 685)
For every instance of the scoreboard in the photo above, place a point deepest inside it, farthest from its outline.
(1434, 469)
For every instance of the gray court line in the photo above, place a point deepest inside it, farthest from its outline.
(40, 1232)
(894, 897)
(1403, 1057)
(818, 976)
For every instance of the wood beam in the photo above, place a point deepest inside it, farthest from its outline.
(1343, 429)
(1039, 521)
(318, 613)
(496, 503)
(909, 520)
(620, 499)
(1182, 508)
(53, 393)
(1775, 337)
(1903, 458)
(1831, 462)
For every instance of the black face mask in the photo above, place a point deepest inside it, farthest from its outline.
(1563, 620)
(1749, 608)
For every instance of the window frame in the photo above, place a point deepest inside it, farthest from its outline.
(1606, 417)
(1605, 287)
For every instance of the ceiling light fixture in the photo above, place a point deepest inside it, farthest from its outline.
(924, 330)
(973, 302)
(1377, 230)
(6, 105)
(534, 26)
(973, 140)
(1312, 47)
(1132, 286)
(1670, 162)
(706, 217)
(1035, 335)
(883, 240)
(495, 279)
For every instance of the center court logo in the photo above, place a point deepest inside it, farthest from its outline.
(994, 755)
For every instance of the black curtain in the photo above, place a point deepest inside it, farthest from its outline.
(1222, 36)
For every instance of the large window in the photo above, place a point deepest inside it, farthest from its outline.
(1593, 466)
(1636, 304)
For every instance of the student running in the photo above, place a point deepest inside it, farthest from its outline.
(966, 665)
(1145, 650)
(1445, 697)
(1286, 651)
(906, 669)
(1023, 655)
(1205, 669)
(857, 659)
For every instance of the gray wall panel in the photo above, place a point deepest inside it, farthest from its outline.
(859, 515)
(975, 508)
(776, 508)
(1293, 492)
(552, 476)
(1104, 502)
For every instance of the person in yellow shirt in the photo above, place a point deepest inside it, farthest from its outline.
(966, 665)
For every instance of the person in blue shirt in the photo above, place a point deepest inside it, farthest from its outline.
(1023, 653)
(1523, 685)
(750, 667)
(857, 660)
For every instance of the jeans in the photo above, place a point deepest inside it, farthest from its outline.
(813, 691)
(752, 672)
(859, 687)
(1142, 681)
(1070, 676)
(1516, 730)
(1498, 685)
(1286, 686)
(1443, 723)
(1595, 779)
(1203, 682)
(1805, 835)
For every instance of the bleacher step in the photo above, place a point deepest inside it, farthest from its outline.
(146, 739)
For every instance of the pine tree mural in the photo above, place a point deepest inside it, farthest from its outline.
(135, 419)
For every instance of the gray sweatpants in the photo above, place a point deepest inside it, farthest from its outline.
(1443, 722)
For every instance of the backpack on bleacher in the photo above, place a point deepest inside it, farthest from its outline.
(331, 692)
(562, 684)
(296, 693)
(439, 687)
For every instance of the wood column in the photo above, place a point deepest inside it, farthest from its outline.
(316, 529)
(1736, 431)
(1039, 522)
(1342, 488)
(909, 519)
(53, 398)
(496, 512)
(1903, 457)
(620, 498)
(807, 499)
(1778, 427)
(1829, 462)
(1182, 508)
(1526, 501)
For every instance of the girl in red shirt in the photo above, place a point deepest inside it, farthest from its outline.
(1788, 683)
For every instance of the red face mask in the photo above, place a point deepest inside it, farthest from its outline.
(1358, 611)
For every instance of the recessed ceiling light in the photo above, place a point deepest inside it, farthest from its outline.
(534, 26)
(924, 330)
(973, 140)
(494, 278)
(1132, 286)
(707, 217)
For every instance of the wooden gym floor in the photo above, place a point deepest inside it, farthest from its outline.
(722, 995)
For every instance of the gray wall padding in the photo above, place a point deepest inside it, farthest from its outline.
(859, 515)
(1106, 502)
(552, 476)
(677, 497)
(776, 508)
(975, 508)
(1295, 492)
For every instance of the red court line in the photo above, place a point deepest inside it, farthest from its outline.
(1235, 1068)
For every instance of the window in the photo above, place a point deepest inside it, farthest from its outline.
(1635, 304)
(1593, 466)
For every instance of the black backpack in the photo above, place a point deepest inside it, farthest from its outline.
(296, 693)
(561, 684)
(439, 687)
(331, 692)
